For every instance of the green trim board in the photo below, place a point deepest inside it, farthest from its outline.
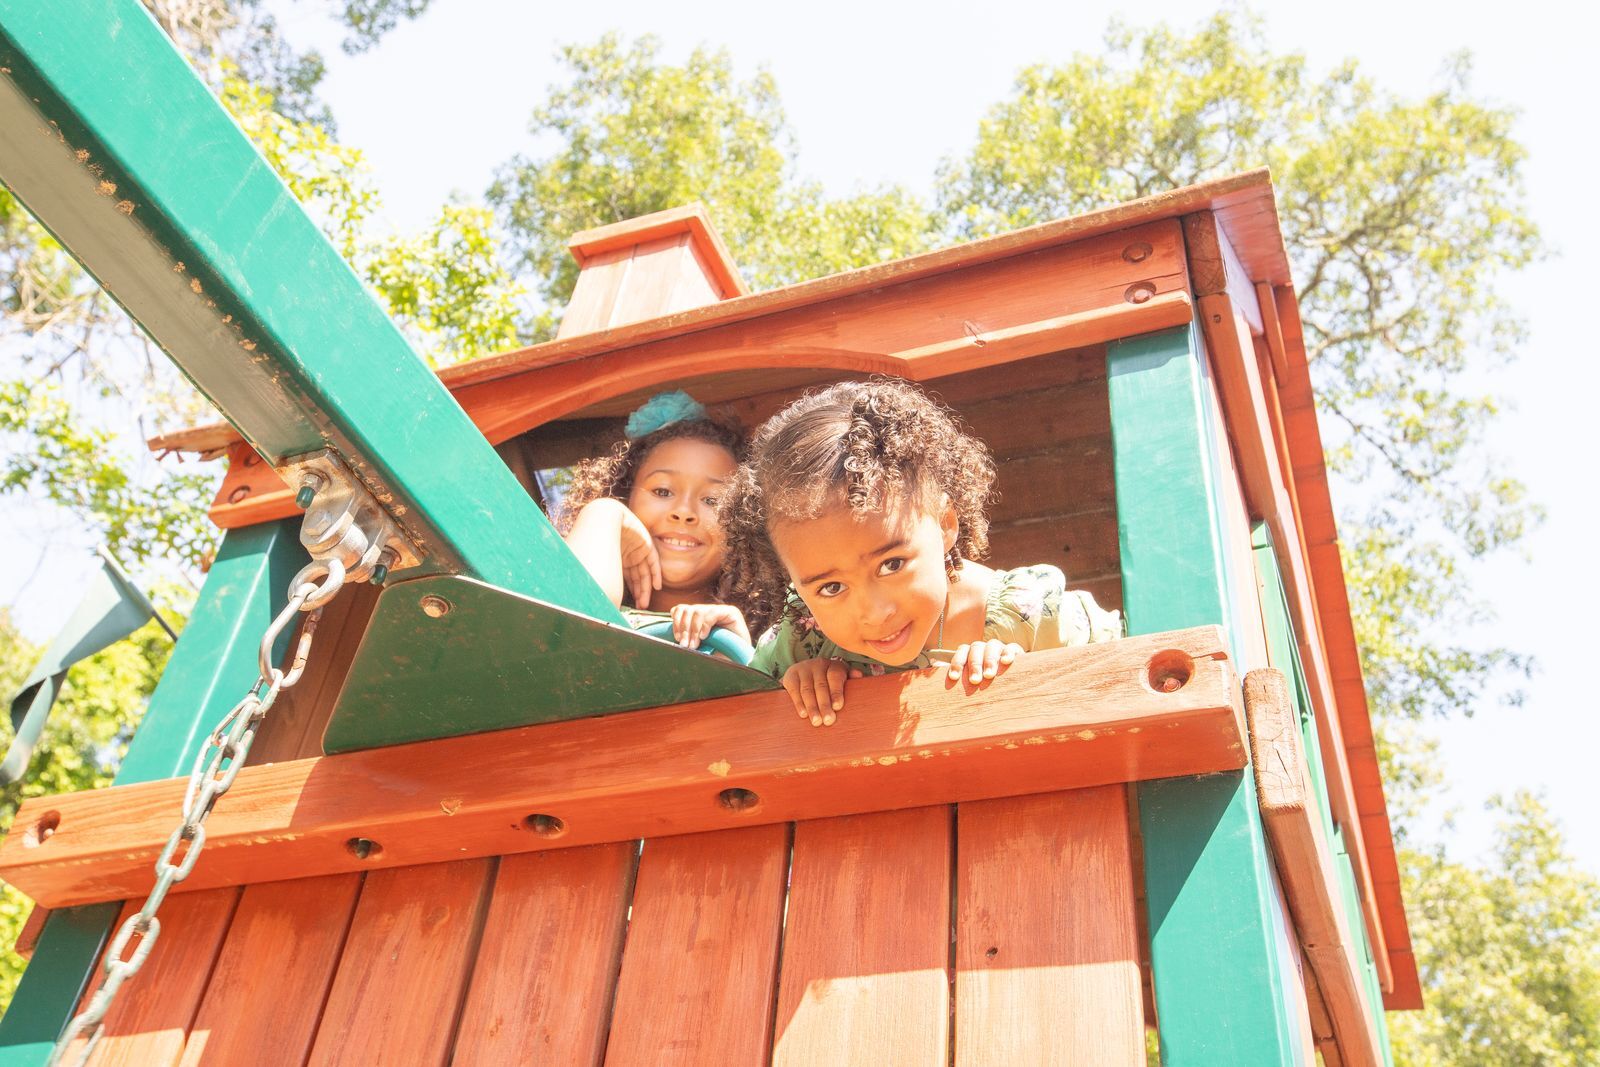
(212, 666)
(117, 147)
(445, 656)
(1284, 653)
(1221, 960)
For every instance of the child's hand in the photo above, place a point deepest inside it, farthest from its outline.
(641, 564)
(817, 688)
(691, 623)
(982, 660)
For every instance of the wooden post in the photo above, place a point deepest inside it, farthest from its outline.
(1223, 967)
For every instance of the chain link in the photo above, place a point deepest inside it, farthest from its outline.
(215, 767)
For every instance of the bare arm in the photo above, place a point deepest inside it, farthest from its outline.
(616, 550)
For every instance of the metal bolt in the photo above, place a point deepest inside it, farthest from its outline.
(435, 607)
(1136, 253)
(379, 573)
(1139, 292)
(305, 496)
(238, 494)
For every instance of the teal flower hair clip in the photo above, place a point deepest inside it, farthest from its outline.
(663, 409)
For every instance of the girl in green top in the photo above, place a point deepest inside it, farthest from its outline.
(852, 529)
(643, 520)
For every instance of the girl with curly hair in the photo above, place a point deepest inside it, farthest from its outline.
(854, 526)
(643, 520)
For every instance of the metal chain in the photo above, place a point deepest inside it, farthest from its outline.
(215, 767)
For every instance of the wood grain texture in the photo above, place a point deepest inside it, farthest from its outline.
(926, 327)
(272, 976)
(867, 942)
(1063, 718)
(700, 967)
(28, 936)
(150, 1017)
(1243, 204)
(1398, 969)
(1305, 867)
(1047, 951)
(402, 976)
(1244, 401)
(547, 969)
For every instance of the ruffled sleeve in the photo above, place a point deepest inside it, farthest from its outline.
(1032, 607)
(794, 638)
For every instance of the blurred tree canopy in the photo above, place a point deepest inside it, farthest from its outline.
(1401, 215)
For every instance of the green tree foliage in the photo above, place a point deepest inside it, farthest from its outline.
(634, 135)
(1399, 215)
(95, 715)
(1509, 953)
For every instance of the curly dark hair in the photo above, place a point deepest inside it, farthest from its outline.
(862, 444)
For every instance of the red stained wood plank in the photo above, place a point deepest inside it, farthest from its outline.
(266, 994)
(1306, 867)
(866, 946)
(1064, 718)
(700, 967)
(150, 1017)
(546, 972)
(402, 976)
(1047, 951)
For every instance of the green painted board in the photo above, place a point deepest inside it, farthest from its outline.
(496, 659)
(1284, 653)
(1222, 964)
(116, 146)
(210, 669)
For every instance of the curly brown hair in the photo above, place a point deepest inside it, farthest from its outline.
(863, 444)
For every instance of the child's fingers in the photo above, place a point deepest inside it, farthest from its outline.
(958, 662)
(639, 585)
(976, 662)
(653, 561)
(826, 702)
(991, 658)
(799, 691)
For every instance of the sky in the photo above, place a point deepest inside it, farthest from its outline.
(883, 93)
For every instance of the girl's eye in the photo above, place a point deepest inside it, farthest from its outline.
(661, 491)
(710, 501)
(830, 589)
(892, 565)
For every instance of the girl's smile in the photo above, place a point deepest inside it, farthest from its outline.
(875, 582)
(675, 496)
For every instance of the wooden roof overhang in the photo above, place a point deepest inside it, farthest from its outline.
(1212, 251)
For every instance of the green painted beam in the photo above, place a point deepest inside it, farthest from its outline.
(116, 146)
(1219, 948)
(210, 670)
(1284, 653)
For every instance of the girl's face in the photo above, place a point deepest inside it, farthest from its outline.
(675, 491)
(875, 583)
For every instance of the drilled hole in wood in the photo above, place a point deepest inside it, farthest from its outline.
(1169, 671)
(238, 494)
(544, 825)
(738, 800)
(994, 950)
(1137, 253)
(363, 848)
(1139, 292)
(41, 830)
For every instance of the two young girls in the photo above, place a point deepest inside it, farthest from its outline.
(851, 529)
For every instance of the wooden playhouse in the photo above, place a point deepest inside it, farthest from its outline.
(490, 825)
